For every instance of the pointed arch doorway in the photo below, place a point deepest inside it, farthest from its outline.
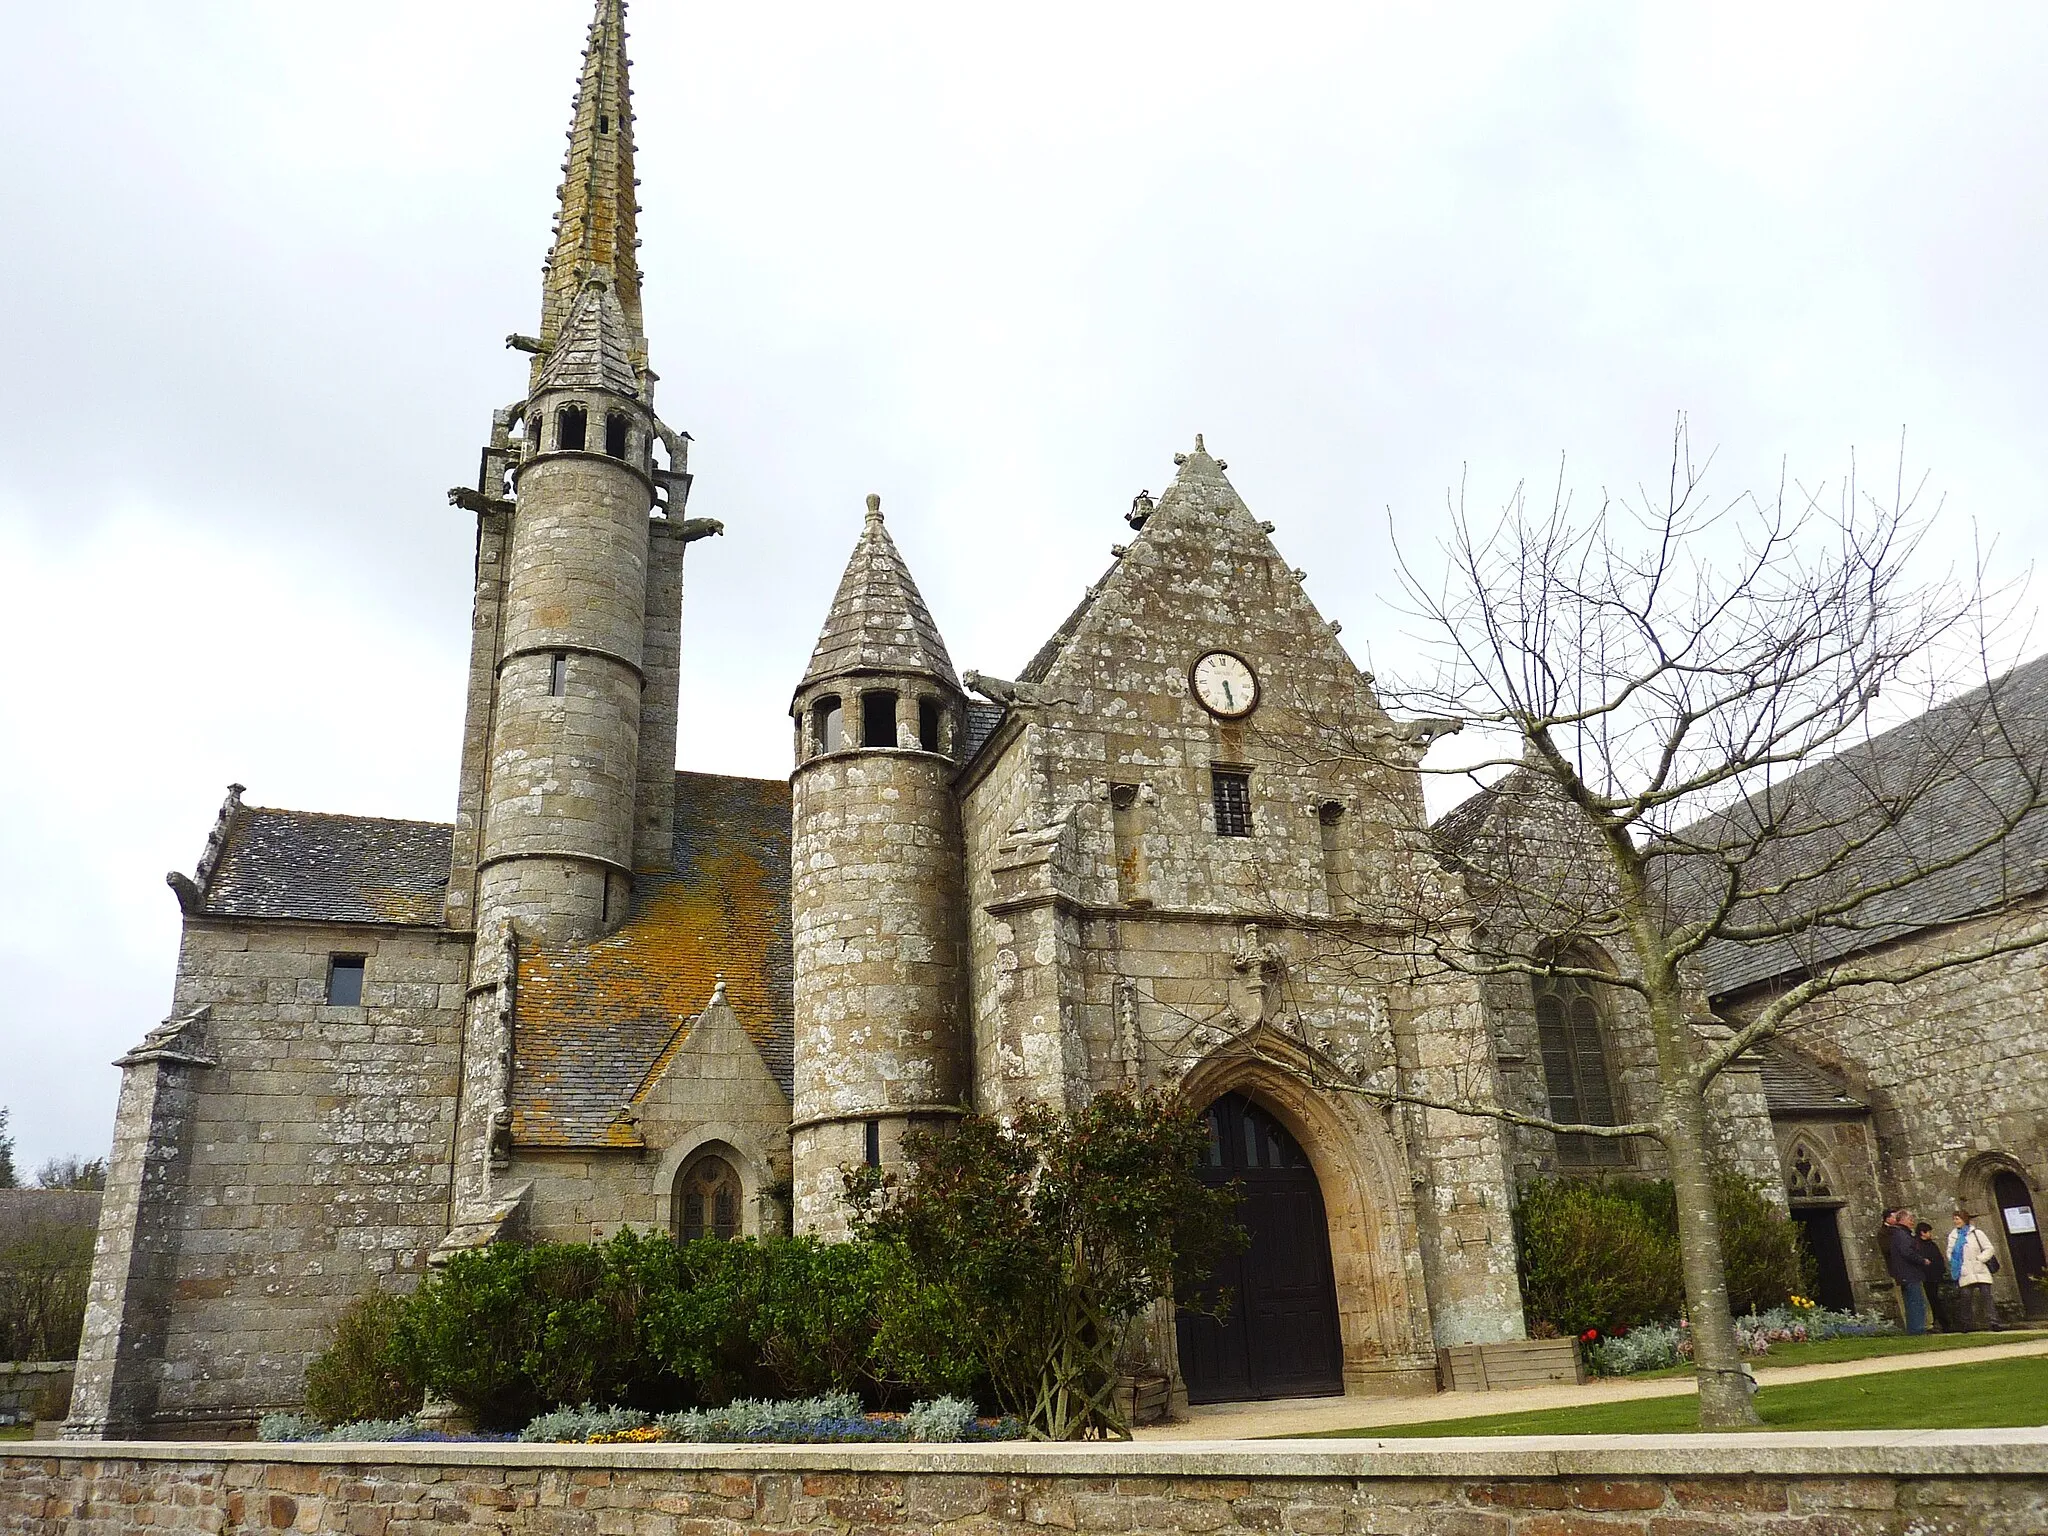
(1279, 1336)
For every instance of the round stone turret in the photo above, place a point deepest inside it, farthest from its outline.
(878, 882)
(557, 847)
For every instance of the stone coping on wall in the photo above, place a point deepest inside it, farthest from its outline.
(1891, 1453)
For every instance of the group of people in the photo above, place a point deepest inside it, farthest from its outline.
(1954, 1278)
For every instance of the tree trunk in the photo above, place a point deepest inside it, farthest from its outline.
(1725, 1395)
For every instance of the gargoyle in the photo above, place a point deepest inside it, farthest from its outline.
(1014, 695)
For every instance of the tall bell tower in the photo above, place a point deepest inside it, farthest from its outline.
(568, 760)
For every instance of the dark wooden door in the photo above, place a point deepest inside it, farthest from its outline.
(1278, 1337)
(1820, 1229)
(2023, 1240)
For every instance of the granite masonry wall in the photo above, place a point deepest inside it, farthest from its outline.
(1955, 1069)
(274, 1157)
(1982, 1484)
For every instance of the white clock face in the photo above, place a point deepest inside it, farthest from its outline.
(1225, 685)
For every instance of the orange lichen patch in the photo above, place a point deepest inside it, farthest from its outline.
(595, 1024)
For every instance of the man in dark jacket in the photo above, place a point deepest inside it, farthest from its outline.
(1903, 1262)
(1941, 1295)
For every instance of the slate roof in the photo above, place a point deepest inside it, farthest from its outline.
(595, 349)
(326, 868)
(878, 621)
(1793, 1085)
(594, 1023)
(1955, 766)
(982, 720)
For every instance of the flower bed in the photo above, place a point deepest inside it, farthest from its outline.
(832, 1419)
(1659, 1346)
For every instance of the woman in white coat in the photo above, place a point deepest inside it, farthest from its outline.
(1971, 1260)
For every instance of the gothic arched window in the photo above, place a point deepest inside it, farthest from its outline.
(707, 1200)
(1807, 1180)
(571, 423)
(1575, 1072)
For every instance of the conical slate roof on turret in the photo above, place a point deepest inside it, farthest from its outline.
(878, 621)
(596, 347)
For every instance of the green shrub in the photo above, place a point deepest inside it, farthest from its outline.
(1604, 1253)
(1593, 1255)
(1766, 1262)
(359, 1375)
(1028, 1249)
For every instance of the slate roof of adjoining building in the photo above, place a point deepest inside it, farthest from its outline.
(982, 720)
(1961, 767)
(326, 868)
(595, 1024)
(1794, 1085)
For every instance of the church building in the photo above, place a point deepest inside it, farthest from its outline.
(614, 993)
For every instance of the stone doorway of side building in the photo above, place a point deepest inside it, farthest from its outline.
(1279, 1335)
(2018, 1216)
(1820, 1233)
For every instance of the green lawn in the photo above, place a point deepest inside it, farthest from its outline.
(1996, 1394)
(1828, 1351)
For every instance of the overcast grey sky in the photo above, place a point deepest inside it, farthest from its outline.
(997, 265)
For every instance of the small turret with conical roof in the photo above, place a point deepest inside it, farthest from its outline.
(878, 882)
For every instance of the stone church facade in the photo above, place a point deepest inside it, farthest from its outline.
(613, 993)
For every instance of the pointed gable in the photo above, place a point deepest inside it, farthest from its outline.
(878, 621)
(1203, 571)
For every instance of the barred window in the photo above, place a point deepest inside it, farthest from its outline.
(1232, 793)
(1575, 1069)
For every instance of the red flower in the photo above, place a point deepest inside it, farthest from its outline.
(1589, 1336)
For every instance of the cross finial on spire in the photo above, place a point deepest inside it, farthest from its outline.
(595, 229)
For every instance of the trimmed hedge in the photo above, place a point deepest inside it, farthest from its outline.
(1603, 1253)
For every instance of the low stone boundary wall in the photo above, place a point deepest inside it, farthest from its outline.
(1966, 1483)
(33, 1389)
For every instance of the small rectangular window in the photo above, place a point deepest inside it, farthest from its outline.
(558, 675)
(928, 724)
(874, 1146)
(878, 719)
(615, 434)
(345, 981)
(1232, 793)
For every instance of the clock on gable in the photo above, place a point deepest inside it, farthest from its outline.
(1225, 685)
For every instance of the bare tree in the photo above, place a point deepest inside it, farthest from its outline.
(1656, 677)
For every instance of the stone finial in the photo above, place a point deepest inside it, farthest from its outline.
(718, 990)
(1198, 444)
(874, 506)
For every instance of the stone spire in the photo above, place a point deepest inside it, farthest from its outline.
(878, 621)
(594, 233)
(596, 346)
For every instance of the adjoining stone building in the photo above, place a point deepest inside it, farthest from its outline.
(613, 993)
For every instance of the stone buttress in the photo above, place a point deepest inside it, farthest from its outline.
(878, 887)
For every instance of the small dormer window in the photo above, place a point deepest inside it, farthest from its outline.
(615, 433)
(878, 719)
(570, 426)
